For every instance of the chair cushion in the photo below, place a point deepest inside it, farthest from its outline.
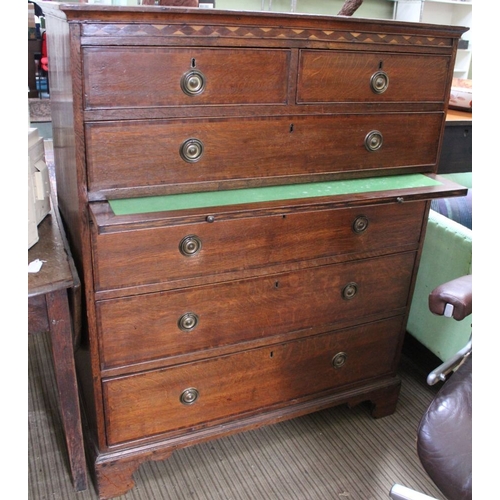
(444, 441)
(446, 255)
(458, 209)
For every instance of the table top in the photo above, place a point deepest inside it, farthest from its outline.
(454, 115)
(51, 248)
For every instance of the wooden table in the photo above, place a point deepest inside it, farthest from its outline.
(56, 279)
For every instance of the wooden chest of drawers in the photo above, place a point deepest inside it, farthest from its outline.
(246, 195)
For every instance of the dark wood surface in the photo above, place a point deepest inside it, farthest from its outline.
(456, 152)
(58, 283)
(278, 288)
(56, 272)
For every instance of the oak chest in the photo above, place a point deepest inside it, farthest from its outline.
(246, 195)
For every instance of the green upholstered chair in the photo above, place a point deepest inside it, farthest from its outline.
(447, 254)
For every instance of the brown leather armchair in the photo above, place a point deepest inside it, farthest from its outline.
(444, 441)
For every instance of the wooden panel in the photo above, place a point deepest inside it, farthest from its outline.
(147, 404)
(129, 77)
(335, 76)
(146, 327)
(131, 154)
(127, 258)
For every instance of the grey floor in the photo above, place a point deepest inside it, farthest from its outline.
(338, 453)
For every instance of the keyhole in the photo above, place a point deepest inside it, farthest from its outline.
(193, 62)
(271, 354)
(291, 127)
(380, 64)
(277, 284)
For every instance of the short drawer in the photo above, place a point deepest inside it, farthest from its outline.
(125, 258)
(216, 390)
(191, 153)
(151, 326)
(131, 77)
(336, 76)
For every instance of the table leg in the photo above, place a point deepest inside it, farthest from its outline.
(64, 367)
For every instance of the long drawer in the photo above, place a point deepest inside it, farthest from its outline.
(125, 258)
(150, 326)
(197, 394)
(129, 77)
(190, 153)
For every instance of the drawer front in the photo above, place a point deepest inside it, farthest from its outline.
(335, 76)
(195, 152)
(157, 325)
(161, 254)
(130, 77)
(220, 389)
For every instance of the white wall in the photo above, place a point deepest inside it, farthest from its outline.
(376, 9)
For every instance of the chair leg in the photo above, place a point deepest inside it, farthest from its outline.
(399, 492)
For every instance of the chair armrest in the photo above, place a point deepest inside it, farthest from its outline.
(444, 369)
(453, 299)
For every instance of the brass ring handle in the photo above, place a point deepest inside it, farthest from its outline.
(188, 322)
(360, 224)
(189, 396)
(193, 82)
(374, 140)
(379, 82)
(190, 245)
(339, 360)
(350, 291)
(191, 150)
